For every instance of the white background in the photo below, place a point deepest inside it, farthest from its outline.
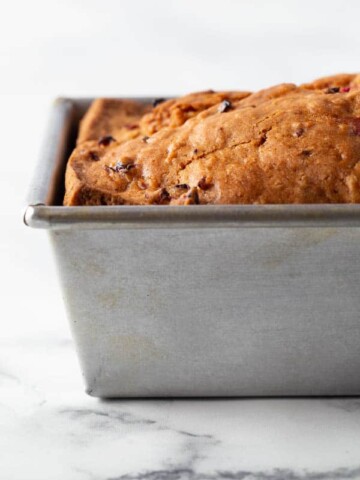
(112, 47)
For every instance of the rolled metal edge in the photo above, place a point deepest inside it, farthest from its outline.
(205, 216)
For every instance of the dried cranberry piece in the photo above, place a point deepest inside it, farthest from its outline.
(157, 101)
(262, 140)
(355, 125)
(106, 140)
(203, 184)
(307, 153)
(299, 132)
(94, 156)
(164, 195)
(345, 89)
(121, 167)
(194, 196)
(332, 90)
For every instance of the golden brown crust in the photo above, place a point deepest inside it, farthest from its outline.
(175, 112)
(127, 119)
(342, 80)
(286, 144)
(110, 116)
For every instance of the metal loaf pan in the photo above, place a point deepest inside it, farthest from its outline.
(203, 300)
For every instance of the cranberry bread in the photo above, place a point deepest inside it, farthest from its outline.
(285, 144)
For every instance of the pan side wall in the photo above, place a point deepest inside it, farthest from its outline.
(213, 312)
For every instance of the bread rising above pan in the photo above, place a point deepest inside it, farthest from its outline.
(285, 144)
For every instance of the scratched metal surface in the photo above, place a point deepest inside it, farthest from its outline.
(239, 301)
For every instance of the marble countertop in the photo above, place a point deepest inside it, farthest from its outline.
(51, 430)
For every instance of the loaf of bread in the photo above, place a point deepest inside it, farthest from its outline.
(284, 144)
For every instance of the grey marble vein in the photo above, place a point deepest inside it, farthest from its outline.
(124, 418)
(194, 435)
(348, 404)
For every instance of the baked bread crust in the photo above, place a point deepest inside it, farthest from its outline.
(341, 80)
(112, 117)
(285, 144)
(175, 112)
(126, 119)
